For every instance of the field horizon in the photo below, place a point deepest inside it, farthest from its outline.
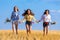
(35, 35)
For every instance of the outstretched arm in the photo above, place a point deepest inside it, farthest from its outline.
(35, 19)
(24, 19)
(42, 17)
(52, 22)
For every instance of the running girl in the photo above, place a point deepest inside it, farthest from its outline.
(28, 17)
(46, 17)
(15, 18)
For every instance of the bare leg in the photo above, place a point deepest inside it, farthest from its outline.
(27, 29)
(16, 27)
(46, 30)
(43, 31)
(13, 27)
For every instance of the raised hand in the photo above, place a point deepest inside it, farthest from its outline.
(38, 21)
(20, 21)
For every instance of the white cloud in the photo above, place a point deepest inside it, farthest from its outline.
(59, 11)
(55, 11)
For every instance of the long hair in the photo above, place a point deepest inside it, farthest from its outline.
(26, 12)
(15, 7)
(45, 12)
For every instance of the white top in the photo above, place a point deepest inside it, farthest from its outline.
(46, 18)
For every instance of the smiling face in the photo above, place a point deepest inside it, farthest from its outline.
(47, 12)
(28, 12)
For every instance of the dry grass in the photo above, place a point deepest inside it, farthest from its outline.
(35, 35)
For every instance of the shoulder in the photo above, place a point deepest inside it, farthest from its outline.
(25, 15)
(12, 12)
(49, 15)
(43, 15)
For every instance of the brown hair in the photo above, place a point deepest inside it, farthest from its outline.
(16, 7)
(27, 13)
(45, 12)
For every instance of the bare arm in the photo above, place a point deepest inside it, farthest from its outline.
(42, 17)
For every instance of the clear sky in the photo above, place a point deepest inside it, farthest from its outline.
(37, 6)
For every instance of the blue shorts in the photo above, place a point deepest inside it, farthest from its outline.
(28, 23)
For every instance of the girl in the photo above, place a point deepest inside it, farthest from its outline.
(15, 18)
(46, 17)
(28, 17)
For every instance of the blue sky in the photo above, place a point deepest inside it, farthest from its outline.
(37, 7)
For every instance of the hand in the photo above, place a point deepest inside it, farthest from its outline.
(32, 22)
(8, 20)
(37, 21)
(53, 23)
(20, 21)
